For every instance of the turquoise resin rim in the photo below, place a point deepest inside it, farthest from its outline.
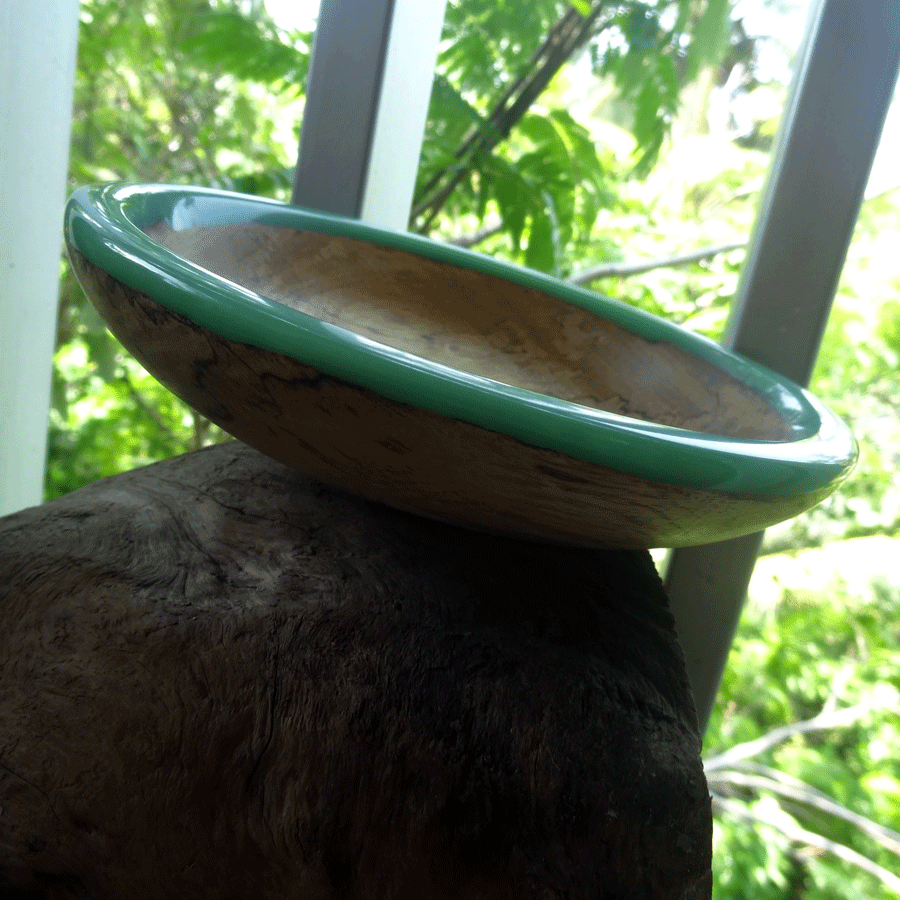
(103, 223)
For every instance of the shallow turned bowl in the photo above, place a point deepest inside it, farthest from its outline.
(446, 383)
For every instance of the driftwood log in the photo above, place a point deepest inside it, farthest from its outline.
(220, 680)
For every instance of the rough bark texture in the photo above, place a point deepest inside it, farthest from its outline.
(218, 679)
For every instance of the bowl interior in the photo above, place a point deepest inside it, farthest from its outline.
(481, 324)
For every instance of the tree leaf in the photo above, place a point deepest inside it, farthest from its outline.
(539, 254)
(510, 194)
(710, 36)
(245, 49)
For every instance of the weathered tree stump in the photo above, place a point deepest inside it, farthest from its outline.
(220, 680)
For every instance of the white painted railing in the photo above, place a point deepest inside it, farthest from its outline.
(38, 40)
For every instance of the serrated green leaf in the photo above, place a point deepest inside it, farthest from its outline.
(510, 195)
(539, 254)
(538, 129)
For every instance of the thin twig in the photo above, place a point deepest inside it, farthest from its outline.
(624, 269)
(476, 237)
(811, 839)
(768, 772)
(153, 414)
(821, 722)
(886, 837)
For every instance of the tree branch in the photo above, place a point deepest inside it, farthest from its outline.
(624, 269)
(811, 839)
(821, 722)
(567, 35)
(152, 414)
(476, 237)
(807, 795)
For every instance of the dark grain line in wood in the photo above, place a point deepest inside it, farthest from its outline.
(219, 679)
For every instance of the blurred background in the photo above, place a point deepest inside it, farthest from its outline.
(632, 162)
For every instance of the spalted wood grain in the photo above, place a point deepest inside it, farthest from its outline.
(221, 680)
(479, 323)
(361, 441)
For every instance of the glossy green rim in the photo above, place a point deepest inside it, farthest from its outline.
(103, 223)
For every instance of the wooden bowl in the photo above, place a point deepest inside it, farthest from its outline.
(443, 382)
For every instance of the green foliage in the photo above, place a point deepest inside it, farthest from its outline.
(483, 43)
(158, 97)
(248, 49)
(711, 36)
(207, 92)
(150, 423)
(702, 193)
(641, 57)
(490, 150)
(547, 188)
(146, 110)
(492, 153)
(830, 650)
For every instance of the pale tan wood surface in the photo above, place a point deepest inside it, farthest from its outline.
(480, 324)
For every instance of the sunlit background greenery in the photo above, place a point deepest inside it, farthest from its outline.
(649, 138)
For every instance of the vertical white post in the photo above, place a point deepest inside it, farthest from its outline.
(38, 43)
(367, 99)
(399, 127)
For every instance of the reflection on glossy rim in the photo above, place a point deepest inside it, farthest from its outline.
(103, 223)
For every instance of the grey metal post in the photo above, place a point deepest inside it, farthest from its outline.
(843, 84)
(341, 102)
(367, 100)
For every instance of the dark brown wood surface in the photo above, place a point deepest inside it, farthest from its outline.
(221, 680)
